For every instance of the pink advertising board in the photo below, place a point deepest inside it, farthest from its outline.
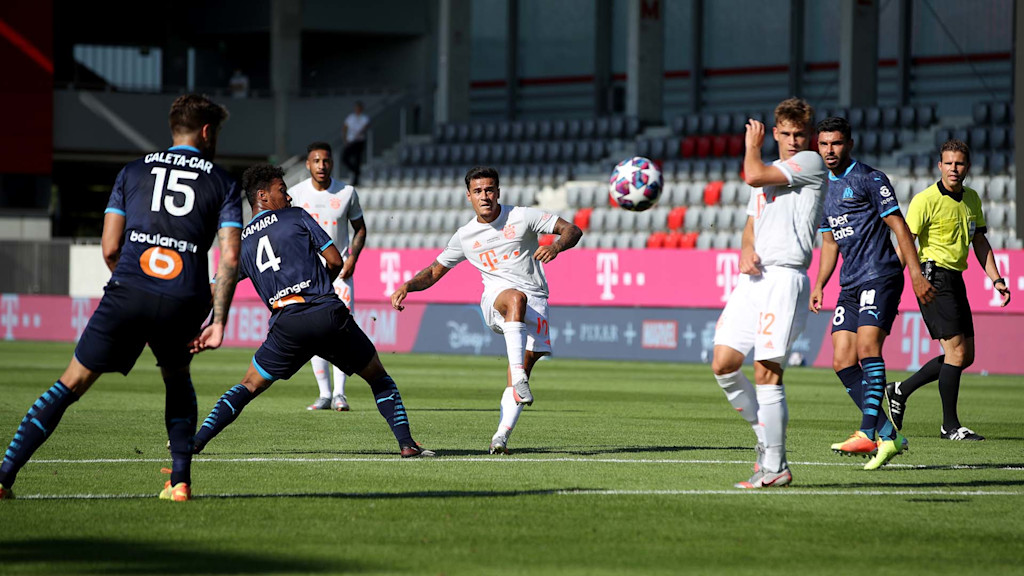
(647, 278)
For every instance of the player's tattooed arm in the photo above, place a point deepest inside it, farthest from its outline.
(421, 281)
(113, 238)
(568, 236)
(230, 243)
(354, 248)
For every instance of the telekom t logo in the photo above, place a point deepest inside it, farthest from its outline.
(912, 342)
(607, 273)
(9, 314)
(79, 319)
(390, 272)
(728, 268)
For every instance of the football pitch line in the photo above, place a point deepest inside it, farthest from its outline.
(785, 491)
(384, 459)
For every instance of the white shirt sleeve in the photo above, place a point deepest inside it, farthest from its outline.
(803, 168)
(355, 211)
(752, 201)
(539, 221)
(452, 253)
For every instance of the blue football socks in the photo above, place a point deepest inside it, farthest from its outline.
(390, 406)
(35, 428)
(180, 416)
(224, 412)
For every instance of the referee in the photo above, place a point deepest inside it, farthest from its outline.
(946, 219)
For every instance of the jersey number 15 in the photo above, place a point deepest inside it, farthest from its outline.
(173, 185)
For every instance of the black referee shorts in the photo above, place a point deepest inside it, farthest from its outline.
(949, 313)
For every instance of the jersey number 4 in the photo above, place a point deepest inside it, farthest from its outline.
(174, 184)
(265, 257)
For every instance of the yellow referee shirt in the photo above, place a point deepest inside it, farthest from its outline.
(945, 224)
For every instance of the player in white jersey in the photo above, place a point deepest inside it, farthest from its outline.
(334, 205)
(765, 311)
(503, 243)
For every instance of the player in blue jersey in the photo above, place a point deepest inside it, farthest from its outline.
(860, 211)
(281, 249)
(163, 214)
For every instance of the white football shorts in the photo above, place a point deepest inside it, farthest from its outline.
(766, 313)
(537, 336)
(345, 290)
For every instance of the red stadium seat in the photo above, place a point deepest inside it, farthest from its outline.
(688, 240)
(656, 240)
(582, 218)
(713, 192)
(736, 145)
(676, 218)
(719, 145)
(673, 240)
(703, 146)
(688, 147)
(546, 239)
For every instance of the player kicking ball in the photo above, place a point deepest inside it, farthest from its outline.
(765, 312)
(281, 249)
(502, 242)
(860, 211)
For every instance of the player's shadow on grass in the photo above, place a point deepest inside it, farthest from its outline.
(424, 494)
(107, 556)
(968, 484)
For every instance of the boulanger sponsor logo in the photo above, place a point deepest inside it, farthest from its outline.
(660, 334)
(162, 241)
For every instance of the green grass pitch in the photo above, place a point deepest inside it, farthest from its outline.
(617, 468)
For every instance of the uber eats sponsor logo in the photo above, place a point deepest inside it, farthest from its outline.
(840, 226)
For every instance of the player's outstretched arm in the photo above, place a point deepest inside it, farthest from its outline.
(354, 248)
(923, 289)
(112, 239)
(421, 281)
(826, 266)
(568, 236)
(987, 258)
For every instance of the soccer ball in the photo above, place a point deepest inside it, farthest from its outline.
(635, 184)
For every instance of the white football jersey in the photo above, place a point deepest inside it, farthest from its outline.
(786, 217)
(503, 250)
(332, 208)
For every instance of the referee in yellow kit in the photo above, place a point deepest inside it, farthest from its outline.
(946, 219)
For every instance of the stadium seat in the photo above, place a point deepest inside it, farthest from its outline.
(856, 118)
(632, 126)
(656, 240)
(997, 189)
(707, 123)
(659, 217)
(887, 142)
(677, 218)
(603, 130)
(719, 145)
(723, 124)
(517, 130)
(657, 151)
(672, 240)
(873, 118)
(925, 115)
(1000, 113)
(530, 130)
(678, 125)
(692, 124)
(739, 218)
(713, 193)
(979, 138)
(891, 117)
(688, 147)
(868, 143)
(736, 145)
(703, 146)
(476, 132)
(692, 218)
(559, 129)
(643, 147)
(689, 240)
(995, 216)
(504, 132)
(546, 239)
(704, 241)
(588, 128)
(617, 127)
(722, 217)
(582, 218)
(462, 133)
(573, 129)
(999, 138)
(998, 163)
(908, 117)
(980, 113)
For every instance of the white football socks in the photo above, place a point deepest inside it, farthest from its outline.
(774, 416)
(339, 381)
(515, 346)
(740, 393)
(322, 372)
(510, 411)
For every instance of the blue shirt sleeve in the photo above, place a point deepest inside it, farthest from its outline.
(880, 193)
(231, 208)
(116, 202)
(319, 238)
